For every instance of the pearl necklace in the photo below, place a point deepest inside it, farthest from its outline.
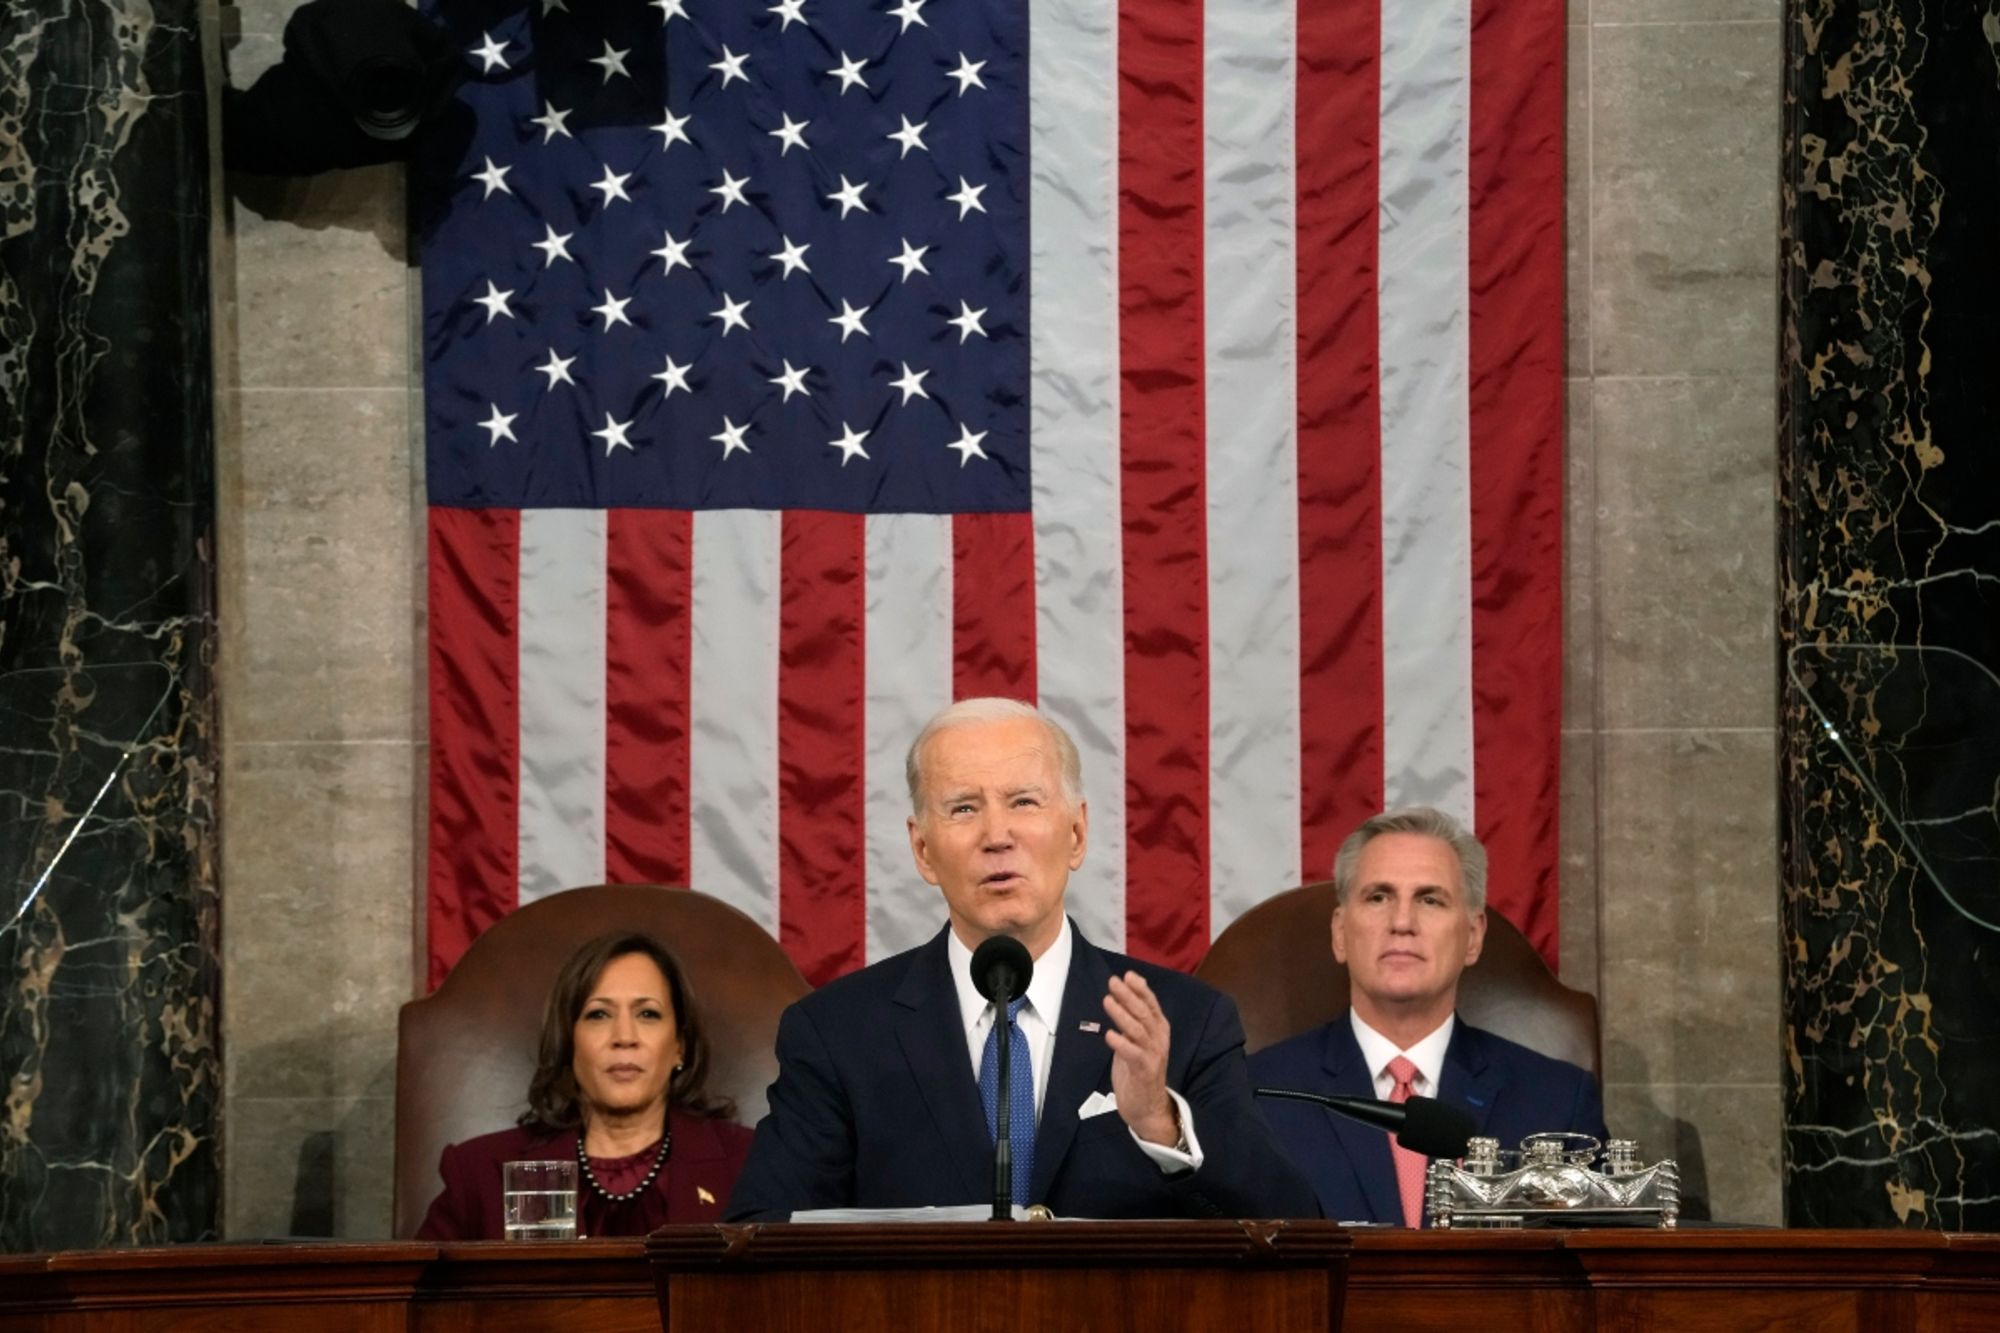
(659, 1163)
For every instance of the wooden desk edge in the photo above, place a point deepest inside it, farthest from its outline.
(1220, 1243)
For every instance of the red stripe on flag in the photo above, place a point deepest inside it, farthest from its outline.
(822, 750)
(475, 760)
(1164, 497)
(1340, 427)
(648, 587)
(1516, 331)
(993, 606)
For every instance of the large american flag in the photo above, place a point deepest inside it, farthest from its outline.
(1194, 370)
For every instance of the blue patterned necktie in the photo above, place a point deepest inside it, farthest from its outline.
(1020, 1097)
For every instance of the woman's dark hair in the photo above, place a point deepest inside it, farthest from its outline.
(554, 1102)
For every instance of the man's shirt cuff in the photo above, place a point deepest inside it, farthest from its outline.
(1169, 1158)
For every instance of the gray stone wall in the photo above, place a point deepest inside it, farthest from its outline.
(322, 571)
(1670, 894)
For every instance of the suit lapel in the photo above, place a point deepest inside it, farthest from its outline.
(1079, 1064)
(1367, 1148)
(1468, 1079)
(932, 1038)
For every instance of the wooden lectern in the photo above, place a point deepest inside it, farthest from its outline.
(996, 1277)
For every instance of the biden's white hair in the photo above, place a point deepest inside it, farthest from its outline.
(986, 709)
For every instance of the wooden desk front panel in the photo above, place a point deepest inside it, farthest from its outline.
(201, 1288)
(1694, 1281)
(999, 1301)
(1964, 1286)
(1151, 1277)
(596, 1286)
(399, 1287)
(1541, 1282)
(1423, 1280)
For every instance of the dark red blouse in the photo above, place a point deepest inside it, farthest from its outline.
(693, 1187)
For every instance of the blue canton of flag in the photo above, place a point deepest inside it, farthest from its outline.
(705, 255)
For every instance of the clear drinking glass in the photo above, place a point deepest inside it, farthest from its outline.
(539, 1199)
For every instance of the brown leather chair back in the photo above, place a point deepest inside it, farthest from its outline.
(465, 1053)
(1276, 962)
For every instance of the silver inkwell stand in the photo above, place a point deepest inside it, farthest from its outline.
(1554, 1185)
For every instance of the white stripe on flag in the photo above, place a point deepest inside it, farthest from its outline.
(1426, 497)
(1251, 307)
(1079, 601)
(909, 671)
(733, 699)
(561, 831)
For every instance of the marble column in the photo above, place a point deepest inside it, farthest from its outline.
(1890, 630)
(108, 973)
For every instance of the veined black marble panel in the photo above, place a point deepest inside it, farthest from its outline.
(108, 930)
(1890, 621)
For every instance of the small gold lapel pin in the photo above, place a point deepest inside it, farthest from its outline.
(701, 1192)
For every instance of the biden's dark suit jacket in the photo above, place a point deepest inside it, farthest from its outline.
(1510, 1090)
(876, 1105)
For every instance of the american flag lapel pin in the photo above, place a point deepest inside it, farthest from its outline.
(1090, 1025)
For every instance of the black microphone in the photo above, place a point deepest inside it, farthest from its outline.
(1421, 1124)
(1001, 969)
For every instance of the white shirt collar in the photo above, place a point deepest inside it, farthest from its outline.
(1045, 987)
(1427, 1055)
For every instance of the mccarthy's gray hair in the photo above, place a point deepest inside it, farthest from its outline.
(972, 712)
(1425, 822)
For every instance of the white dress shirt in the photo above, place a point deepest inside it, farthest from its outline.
(1427, 1055)
(1037, 1020)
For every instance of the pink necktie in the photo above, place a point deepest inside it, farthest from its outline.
(1410, 1166)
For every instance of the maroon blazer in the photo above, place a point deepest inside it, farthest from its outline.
(695, 1185)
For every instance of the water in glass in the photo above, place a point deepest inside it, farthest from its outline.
(539, 1200)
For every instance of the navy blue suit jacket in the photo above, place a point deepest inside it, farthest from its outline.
(876, 1104)
(1510, 1090)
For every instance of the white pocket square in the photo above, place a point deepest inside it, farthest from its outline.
(1097, 1104)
